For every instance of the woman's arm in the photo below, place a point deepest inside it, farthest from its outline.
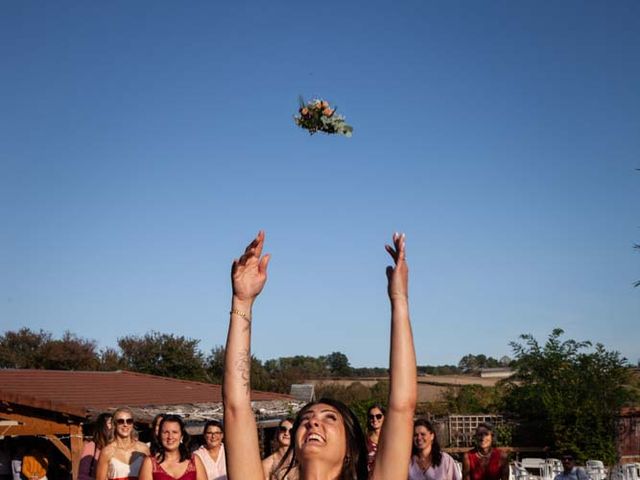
(201, 472)
(396, 435)
(146, 470)
(248, 276)
(267, 465)
(103, 462)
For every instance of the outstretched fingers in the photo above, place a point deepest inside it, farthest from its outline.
(397, 251)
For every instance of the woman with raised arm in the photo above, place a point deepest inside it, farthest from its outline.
(328, 443)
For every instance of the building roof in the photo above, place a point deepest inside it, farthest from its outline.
(79, 393)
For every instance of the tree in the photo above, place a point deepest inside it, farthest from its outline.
(22, 349)
(163, 354)
(571, 396)
(28, 349)
(337, 364)
(473, 363)
(69, 353)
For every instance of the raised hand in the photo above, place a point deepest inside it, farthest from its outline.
(249, 272)
(398, 275)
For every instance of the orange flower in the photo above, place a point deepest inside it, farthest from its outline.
(327, 112)
(324, 104)
(304, 111)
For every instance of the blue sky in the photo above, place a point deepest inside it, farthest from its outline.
(143, 144)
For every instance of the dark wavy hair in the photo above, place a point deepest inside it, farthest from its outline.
(379, 407)
(436, 452)
(154, 441)
(185, 453)
(102, 435)
(355, 460)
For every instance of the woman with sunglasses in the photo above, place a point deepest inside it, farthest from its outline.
(272, 462)
(485, 461)
(375, 419)
(428, 462)
(327, 441)
(123, 457)
(173, 460)
(212, 452)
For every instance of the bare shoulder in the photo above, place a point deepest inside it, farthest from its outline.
(108, 451)
(142, 447)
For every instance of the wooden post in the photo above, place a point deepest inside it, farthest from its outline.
(75, 433)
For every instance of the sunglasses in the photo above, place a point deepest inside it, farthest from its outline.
(283, 429)
(377, 416)
(123, 421)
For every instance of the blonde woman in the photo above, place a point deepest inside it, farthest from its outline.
(122, 458)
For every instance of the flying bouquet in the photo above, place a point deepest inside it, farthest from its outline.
(318, 116)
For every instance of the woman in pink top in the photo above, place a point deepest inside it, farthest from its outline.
(102, 435)
(428, 462)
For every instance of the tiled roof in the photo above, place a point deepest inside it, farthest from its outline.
(78, 392)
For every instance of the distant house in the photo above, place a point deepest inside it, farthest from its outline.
(629, 435)
(500, 372)
(56, 404)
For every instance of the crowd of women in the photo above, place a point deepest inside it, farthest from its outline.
(324, 441)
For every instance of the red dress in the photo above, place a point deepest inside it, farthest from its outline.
(160, 474)
(492, 470)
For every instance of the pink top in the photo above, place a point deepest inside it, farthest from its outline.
(88, 461)
(445, 471)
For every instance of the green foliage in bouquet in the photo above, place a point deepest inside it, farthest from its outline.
(318, 116)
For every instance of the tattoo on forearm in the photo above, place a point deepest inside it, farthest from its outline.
(243, 365)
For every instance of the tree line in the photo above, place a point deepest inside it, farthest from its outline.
(566, 394)
(176, 356)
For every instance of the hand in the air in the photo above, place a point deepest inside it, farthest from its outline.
(249, 272)
(398, 275)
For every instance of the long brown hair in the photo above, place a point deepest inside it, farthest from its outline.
(102, 434)
(355, 460)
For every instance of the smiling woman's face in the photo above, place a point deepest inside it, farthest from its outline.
(124, 424)
(484, 437)
(284, 433)
(213, 436)
(171, 436)
(321, 435)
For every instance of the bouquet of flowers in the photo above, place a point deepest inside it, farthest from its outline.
(318, 116)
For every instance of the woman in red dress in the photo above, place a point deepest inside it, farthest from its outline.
(485, 462)
(173, 461)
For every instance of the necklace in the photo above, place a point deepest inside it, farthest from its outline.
(483, 455)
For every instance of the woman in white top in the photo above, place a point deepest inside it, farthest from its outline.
(428, 462)
(123, 457)
(212, 452)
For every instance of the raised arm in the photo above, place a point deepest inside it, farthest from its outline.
(248, 276)
(397, 430)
